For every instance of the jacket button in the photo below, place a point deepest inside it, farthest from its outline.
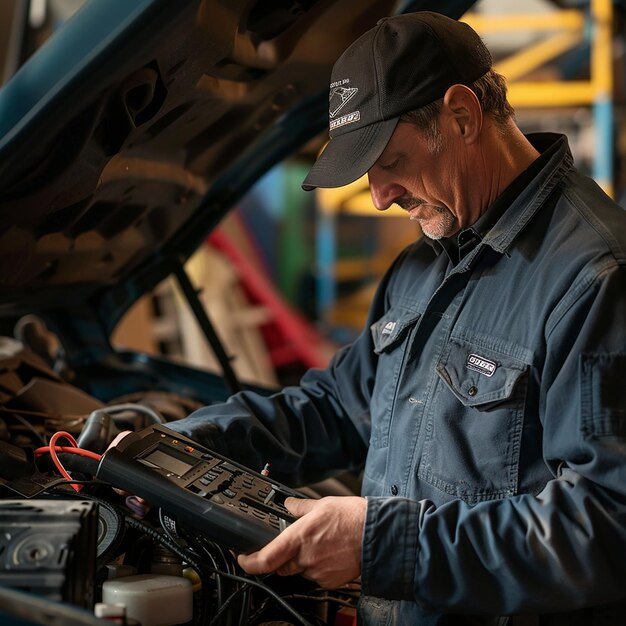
(472, 391)
(394, 490)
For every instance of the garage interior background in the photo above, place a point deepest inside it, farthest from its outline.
(288, 276)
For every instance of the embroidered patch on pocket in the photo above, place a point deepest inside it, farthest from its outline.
(481, 365)
(389, 328)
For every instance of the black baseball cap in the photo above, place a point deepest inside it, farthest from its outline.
(403, 63)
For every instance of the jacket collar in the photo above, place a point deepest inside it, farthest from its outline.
(559, 162)
(526, 205)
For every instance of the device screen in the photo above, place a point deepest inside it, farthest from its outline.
(168, 462)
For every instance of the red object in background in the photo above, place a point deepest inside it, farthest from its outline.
(345, 617)
(289, 337)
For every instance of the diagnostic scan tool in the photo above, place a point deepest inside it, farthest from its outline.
(225, 501)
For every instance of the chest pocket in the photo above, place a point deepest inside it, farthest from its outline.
(392, 328)
(474, 425)
(390, 336)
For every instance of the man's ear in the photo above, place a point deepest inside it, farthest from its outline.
(465, 112)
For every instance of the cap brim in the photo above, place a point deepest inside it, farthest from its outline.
(348, 156)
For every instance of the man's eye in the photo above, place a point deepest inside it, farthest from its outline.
(390, 166)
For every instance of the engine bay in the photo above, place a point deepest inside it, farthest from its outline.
(71, 538)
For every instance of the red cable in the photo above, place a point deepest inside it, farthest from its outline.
(69, 450)
(55, 458)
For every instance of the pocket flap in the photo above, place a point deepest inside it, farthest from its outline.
(391, 327)
(477, 375)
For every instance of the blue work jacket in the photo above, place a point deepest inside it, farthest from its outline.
(485, 403)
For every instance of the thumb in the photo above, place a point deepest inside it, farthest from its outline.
(300, 506)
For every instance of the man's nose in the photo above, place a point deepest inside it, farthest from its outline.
(384, 192)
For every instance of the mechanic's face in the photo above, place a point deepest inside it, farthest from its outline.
(425, 180)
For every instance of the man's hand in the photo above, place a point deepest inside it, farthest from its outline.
(324, 545)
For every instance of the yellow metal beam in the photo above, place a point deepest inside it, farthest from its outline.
(532, 57)
(601, 53)
(550, 94)
(568, 26)
(570, 19)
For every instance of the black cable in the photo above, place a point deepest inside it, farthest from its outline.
(65, 481)
(259, 611)
(218, 580)
(231, 565)
(264, 604)
(207, 547)
(225, 606)
(30, 427)
(184, 554)
(346, 591)
(168, 543)
(245, 607)
(228, 561)
(111, 410)
(78, 463)
(327, 598)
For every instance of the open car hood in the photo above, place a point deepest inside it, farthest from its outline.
(138, 125)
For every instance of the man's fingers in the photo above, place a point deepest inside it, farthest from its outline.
(323, 544)
(291, 568)
(271, 557)
(278, 555)
(300, 506)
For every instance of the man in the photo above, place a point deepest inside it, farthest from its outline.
(485, 398)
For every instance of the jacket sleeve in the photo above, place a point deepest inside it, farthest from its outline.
(306, 433)
(561, 549)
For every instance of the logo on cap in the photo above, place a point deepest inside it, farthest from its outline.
(339, 97)
(349, 118)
